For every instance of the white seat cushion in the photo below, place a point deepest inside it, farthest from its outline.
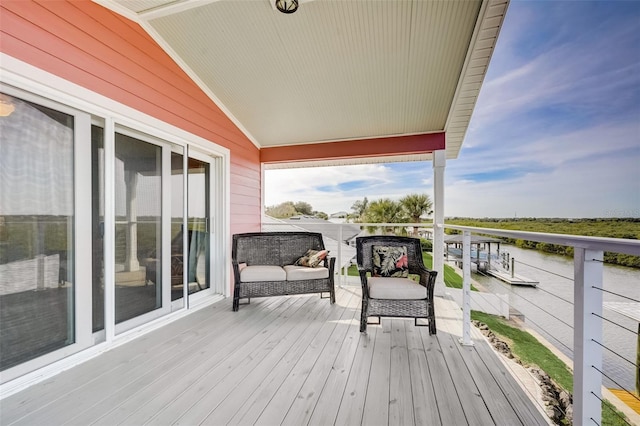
(297, 273)
(395, 288)
(252, 274)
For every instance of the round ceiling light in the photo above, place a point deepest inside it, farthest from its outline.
(287, 6)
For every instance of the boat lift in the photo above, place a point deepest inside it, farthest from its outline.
(498, 264)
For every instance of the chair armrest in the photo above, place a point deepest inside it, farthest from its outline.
(330, 263)
(236, 272)
(363, 282)
(428, 280)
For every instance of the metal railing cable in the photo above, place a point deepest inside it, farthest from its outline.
(615, 323)
(537, 306)
(560, 341)
(615, 353)
(616, 294)
(555, 295)
(614, 381)
(611, 410)
(552, 273)
(530, 321)
(544, 270)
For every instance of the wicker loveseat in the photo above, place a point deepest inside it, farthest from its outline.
(263, 265)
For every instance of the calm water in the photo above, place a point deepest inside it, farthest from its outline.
(540, 305)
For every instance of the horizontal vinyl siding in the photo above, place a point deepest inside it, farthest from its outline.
(102, 51)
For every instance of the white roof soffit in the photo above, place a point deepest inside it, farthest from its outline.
(333, 70)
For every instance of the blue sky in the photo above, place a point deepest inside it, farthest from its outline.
(555, 132)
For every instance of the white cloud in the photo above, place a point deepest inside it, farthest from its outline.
(321, 186)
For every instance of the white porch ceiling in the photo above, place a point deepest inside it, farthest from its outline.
(333, 70)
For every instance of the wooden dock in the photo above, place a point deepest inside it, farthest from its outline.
(513, 279)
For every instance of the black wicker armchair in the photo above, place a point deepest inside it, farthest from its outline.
(387, 288)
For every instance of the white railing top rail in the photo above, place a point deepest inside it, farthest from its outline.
(617, 245)
(372, 224)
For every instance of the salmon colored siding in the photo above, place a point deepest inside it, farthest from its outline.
(102, 51)
(398, 145)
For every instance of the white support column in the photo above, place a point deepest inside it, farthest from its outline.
(439, 161)
(341, 275)
(466, 289)
(587, 354)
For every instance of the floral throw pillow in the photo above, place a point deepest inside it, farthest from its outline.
(312, 258)
(390, 261)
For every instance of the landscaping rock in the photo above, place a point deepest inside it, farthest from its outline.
(558, 402)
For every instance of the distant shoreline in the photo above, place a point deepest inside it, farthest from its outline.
(626, 228)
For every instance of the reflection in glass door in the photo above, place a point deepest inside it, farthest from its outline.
(138, 203)
(38, 286)
(198, 203)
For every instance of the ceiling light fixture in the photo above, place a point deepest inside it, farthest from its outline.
(287, 6)
(6, 106)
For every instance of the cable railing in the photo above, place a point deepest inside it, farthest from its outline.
(581, 323)
(590, 350)
(624, 367)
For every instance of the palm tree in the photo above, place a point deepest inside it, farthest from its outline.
(359, 208)
(416, 206)
(385, 210)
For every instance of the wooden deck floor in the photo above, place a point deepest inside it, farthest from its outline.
(284, 361)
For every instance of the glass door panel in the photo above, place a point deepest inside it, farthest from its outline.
(138, 205)
(198, 207)
(97, 226)
(37, 249)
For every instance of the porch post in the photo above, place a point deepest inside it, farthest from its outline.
(466, 289)
(587, 334)
(341, 275)
(439, 161)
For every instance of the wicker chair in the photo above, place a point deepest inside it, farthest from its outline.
(395, 297)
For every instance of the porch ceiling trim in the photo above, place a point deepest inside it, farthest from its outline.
(361, 148)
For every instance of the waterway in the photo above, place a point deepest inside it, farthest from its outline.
(548, 308)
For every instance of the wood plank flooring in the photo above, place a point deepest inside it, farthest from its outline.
(285, 361)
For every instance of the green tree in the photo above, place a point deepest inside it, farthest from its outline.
(384, 210)
(303, 207)
(359, 208)
(416, 206)
(282, 210)
(321, 215)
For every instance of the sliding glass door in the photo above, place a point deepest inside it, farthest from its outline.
(103, 227)
(157, 265)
